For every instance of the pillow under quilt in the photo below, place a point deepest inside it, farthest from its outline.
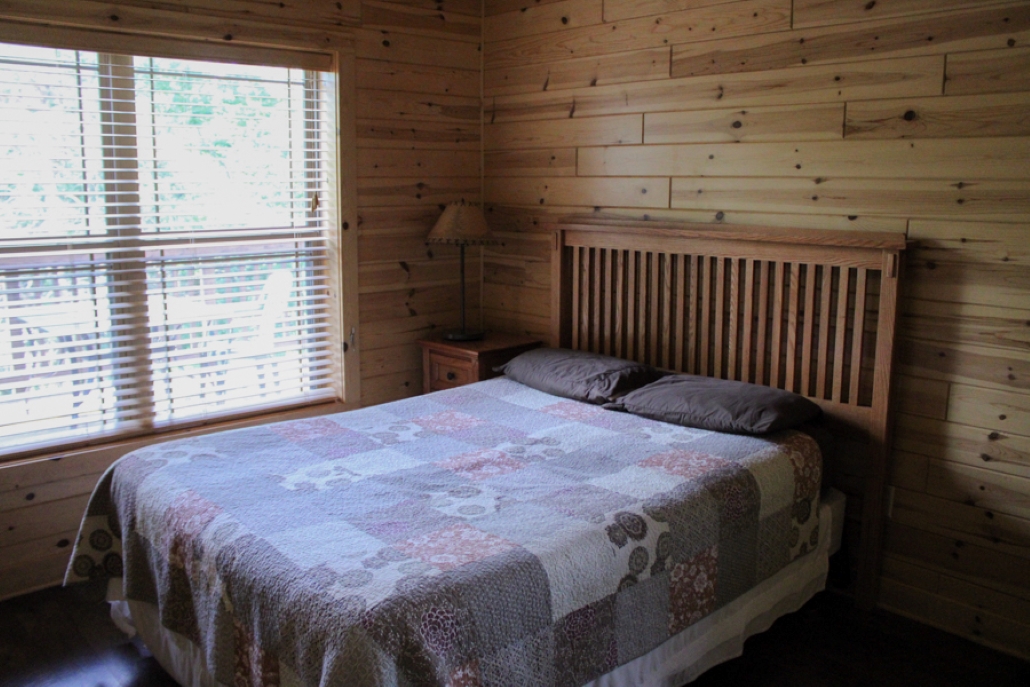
(582, 376)
(721, 405)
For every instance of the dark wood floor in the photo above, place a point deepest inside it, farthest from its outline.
(64, 638)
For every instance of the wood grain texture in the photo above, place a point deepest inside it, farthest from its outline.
(1004, 114)
(992, 158)
(623, 67)
(938, 34)
(990, 71)
(599, 131)
(902, 78)
(731, 19)
(823, 12)
(750, 125)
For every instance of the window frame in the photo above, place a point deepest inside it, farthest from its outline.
(305, 49)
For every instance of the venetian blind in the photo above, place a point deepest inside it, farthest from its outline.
(163, 239)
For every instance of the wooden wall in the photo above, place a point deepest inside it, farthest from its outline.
(418, 146)
(896, 115)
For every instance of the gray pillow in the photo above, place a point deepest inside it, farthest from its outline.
(718, 404)
(582, 376)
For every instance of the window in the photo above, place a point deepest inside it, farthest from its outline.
(164, 226)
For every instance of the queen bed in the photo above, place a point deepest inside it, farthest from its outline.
(503, 534)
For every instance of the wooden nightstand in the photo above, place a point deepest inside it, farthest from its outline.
(447, 364)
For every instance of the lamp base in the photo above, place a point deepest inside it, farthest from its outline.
(462, 335)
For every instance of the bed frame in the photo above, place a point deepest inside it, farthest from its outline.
(809, 311)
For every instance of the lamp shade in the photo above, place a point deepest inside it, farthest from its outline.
(463, 224)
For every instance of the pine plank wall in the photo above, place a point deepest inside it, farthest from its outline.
(897, 115)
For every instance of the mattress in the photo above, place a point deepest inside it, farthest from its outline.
(486, 535)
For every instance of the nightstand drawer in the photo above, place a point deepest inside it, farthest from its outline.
(446, 372)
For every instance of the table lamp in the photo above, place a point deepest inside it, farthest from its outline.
(461, 224)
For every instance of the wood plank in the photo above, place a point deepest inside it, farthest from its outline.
(590, 131)
(395, 305)
(301, 12)
(966, 621)
(751, 125)
(938, 34)
(434, 22)
(971, 446)
(494, 7)
(394, 105)
(992, 158)
(516, 271)
(985, 367)
(531, 20)
(548, 162)
(529, 324)
(988, 284)
(36, 522)
(534, 218)
(998, 532)
(600, 70)
(973, 243)
(826, 12)
(980, 487)
(109, 41)
(417, 78)
(1002, 114)
(390, 360)
(401, 274)
(376, 390)
(412, 134)
(915, 198)
(399, 47)
(36, 551)
(736, 19)
(625, 192)
(957, 554)
(984, 598)
(406, 330)
(473, 8)
(24, 476)
(1002, 411)
(36, 494)
(415, 191)
(518, 299)
(908, 470)
(395, 162)
(919, 396)
(33, 575)
(971, 323)
(617, 10)
(990, 71)
(211, 25)
(835, 83)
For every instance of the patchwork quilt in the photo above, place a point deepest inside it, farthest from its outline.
(485, 535)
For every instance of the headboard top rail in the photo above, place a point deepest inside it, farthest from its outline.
(777, 235)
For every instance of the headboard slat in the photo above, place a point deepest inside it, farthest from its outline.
(798, 311)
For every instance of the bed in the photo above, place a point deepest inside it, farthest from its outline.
(496, 534)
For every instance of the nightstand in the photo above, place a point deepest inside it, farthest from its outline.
(447, 364)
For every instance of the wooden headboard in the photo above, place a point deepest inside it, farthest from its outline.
(808, 311)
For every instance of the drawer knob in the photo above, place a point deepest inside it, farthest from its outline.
(450, 376)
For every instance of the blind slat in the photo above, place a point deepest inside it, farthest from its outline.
(164, 250)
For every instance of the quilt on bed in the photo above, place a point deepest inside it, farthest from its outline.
(485, 535)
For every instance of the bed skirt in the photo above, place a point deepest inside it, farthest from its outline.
(717, 638)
